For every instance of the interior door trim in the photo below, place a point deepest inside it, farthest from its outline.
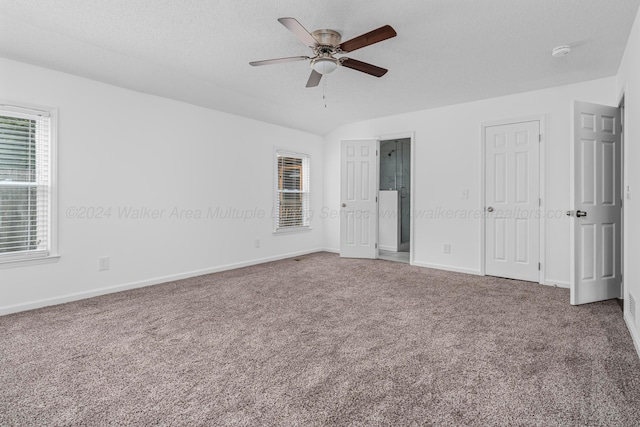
(624, 182)
(542, 168)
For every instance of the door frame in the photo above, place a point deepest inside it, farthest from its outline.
(623, 194)
(542, 178)
(411, 136)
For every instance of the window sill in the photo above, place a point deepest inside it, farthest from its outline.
(27, 262)
(292, 230)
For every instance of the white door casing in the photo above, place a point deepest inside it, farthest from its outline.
(596, 215)
(512, 200)
(358, 197)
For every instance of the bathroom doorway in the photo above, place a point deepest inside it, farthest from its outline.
(394, 206)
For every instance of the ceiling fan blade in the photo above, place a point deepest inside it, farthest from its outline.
(314, 79)
(354, 64)
(296, 28)
(371, 37)
(278, 60)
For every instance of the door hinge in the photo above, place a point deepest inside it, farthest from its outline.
(540, 202)
(539, 137)
(376, 199)
(376, 246)
(539, 266)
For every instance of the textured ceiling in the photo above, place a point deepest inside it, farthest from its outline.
(197, 51)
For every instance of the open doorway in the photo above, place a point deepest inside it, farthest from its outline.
(394, 206)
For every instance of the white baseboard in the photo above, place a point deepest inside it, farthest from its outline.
(447, 268)
(333, 251)
(635, 337)
(558, 283)
(140, 284)
(388, 248)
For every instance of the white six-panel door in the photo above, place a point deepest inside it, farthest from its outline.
(358, 198)
(512, 194)
(597, 198)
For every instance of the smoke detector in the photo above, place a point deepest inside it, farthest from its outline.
(559, 51)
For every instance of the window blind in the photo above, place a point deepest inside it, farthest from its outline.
(292, 192)
(24, 184)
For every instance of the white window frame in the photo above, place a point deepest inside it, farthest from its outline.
(306, 183)
(49, 253)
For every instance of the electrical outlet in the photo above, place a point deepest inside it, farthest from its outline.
(103, 263)
(257, 243)
(628, 192)
(446, 248)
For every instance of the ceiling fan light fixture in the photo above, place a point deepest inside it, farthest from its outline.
(325, 65)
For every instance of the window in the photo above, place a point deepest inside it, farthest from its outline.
(26, 171)
(292, 191)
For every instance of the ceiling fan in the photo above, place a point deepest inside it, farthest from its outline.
(325, 44)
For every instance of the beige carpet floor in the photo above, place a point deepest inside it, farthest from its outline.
(320, 340)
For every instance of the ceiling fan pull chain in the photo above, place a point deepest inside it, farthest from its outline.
(324, 92)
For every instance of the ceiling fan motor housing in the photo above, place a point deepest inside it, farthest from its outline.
(327, 38)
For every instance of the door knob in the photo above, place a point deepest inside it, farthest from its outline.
(344, 205)
(490, 209)
(580, 214)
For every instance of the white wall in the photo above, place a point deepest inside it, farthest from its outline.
(120, 149)
(448, 161)
(629, 83)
